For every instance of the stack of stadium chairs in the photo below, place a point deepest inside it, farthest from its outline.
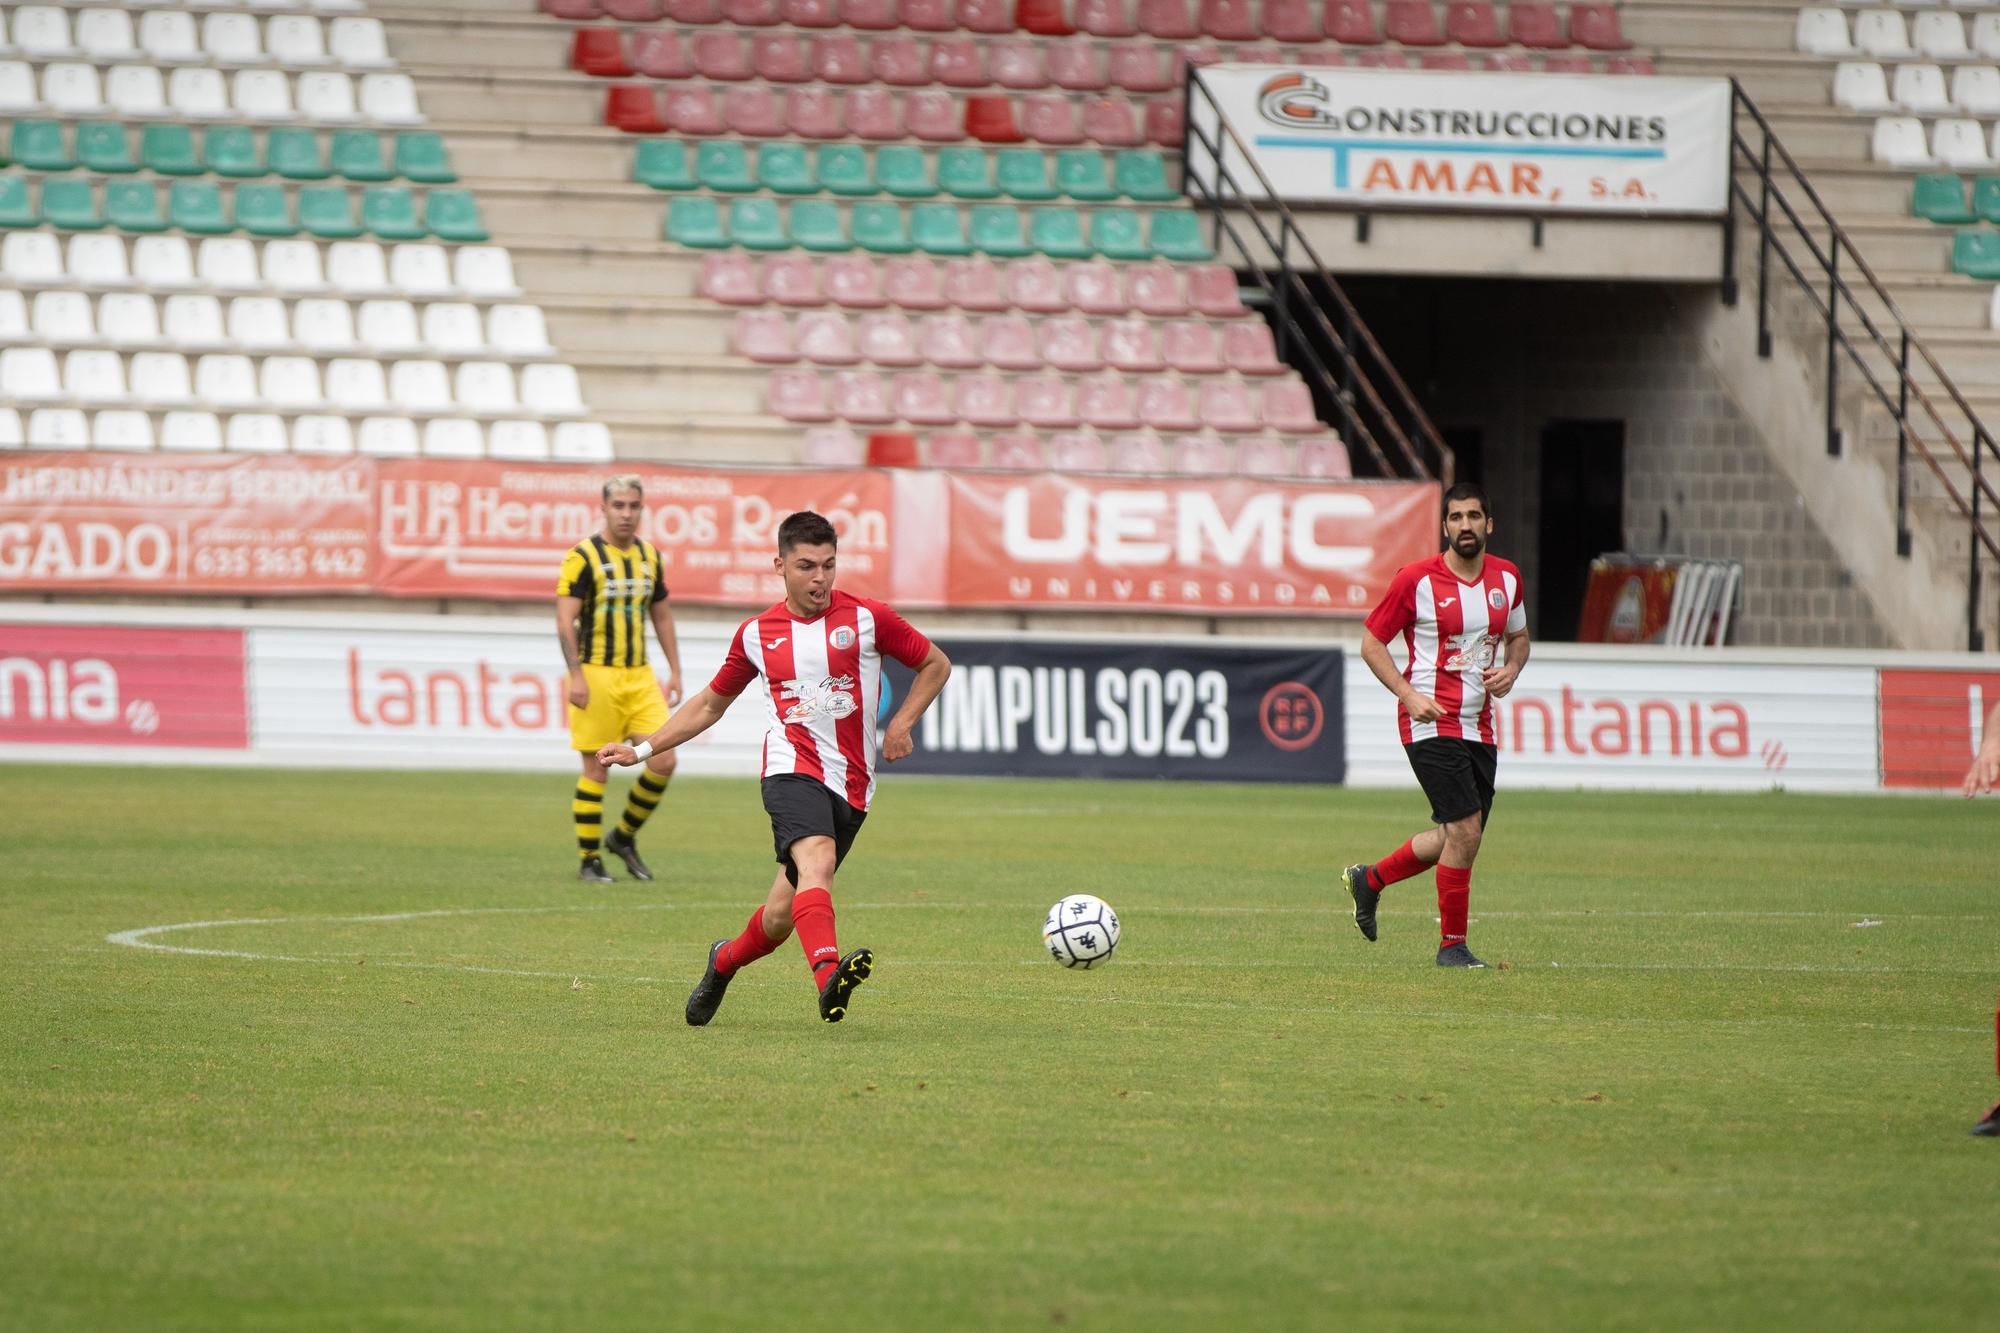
(217, 231)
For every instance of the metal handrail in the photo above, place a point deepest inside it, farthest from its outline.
(1894, 345)
(1383, 425)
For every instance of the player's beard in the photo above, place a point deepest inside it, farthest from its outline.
(1468, 545)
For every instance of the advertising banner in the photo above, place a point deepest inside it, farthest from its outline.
(156, 524)
(1932, 724)
(1429, 139)
(125, 686)
(1603, 719)
(1131, 709)
(1219, 545)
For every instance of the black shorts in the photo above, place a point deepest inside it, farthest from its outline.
(802, 807)
(1457, 775)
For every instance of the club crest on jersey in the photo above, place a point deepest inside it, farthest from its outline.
(842, 638)
(1474, 652)
(1496, 599)
(829, 696)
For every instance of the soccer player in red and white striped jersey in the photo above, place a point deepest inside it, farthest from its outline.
(820, 652)
(1465, 630)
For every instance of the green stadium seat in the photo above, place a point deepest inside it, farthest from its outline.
(996, 231)
(168, 150)
(421, 157)
(1058, 233)
(882, 229)
(38, 145)
(1142, 174)
(453, 215)
(1115, 234)
(357, 155)
(966, 173)
(134, 205)
(1985, 201)
(755, 224)
(294, 154)
(695, 221)
(1023, 173)
(817, 225)
(1177, 235)
(1081, 174)
(782, 168)
(231, 150)
(262, 210)
(662, 164)
(904, 171)
(1941, 198)
(196, 206)
(327, 211)
(70, 204)
(101, 145)
(390, 212)
(724, 166)
(16, 208)
(844, 169)
(1976, 254)
(937, 229)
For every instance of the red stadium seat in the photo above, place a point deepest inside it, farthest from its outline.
(988, 16)
(780, 57)
(810, 13)
(1263, 456)
(1105, 401)
(1050, 119)
(571, 9)
(1509, 62)
(1226, 405)
(752, 13)
(947, 341)
(599, 52)
(825, 338)
(1473, 23)
(874, 113)
(731, 279)
(1412, 23)
(658, 53)
(1109, 121)
(695, 11)
(985, 400)
(1035, 285)
(892, 448)
(722, 56)
(838, 58)
(988, 119)
(1628, 65)
(870, 15)
(815, 113)
(1389, 59)
(1229, 20)
(1204, 455)
(1132, 345)
(830, 446)
(1167, 19)
(1260, 53)
(633, 11)
(1142, 454)
(1155, 289)
(861, 396)
(1288, 407)
(920, 398)
(1019, 452)
(1323, 56)
(632, 107)
(1213, 290)
(1536, 26)
(1249, 347)
(1069, 342)
(1076, 451)
(1567, 65)
(1105, 18)
(1045, 402)
(798, 395)
(1165, 122)
(1323, 458)
(974, 284)
(1596, 26)
(1078, 66)
(793, 280)
(899, 61)
(1015, 62)
(1191, 347)
(1445, 60)
(1164, 404)
(853, 282)
(930, 15)
(764, 336)
(1137, 68)
(958, 62)
(1352, 23)
(753, 109)
(913, 283)
(952, 449)
(1292, 20)
(1008, 342)
(1044, 18)
(1093, 288)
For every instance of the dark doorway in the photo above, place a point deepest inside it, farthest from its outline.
(1468, 447)
(1582, 515)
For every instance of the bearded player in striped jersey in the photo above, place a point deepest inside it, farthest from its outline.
(820, 652)
(1465, 631)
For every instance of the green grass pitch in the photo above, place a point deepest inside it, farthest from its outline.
(1723, 1080)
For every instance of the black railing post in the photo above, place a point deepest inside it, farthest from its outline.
(1729, 208)
(1832, 346)
(1975, 638)
(1903, 447)
(1764, 250)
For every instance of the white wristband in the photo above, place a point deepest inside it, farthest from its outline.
(642, 752)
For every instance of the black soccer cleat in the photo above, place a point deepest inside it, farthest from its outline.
(1457, 955)
(1365, 899)
(706, 997)
(627, 851)
(1989, 1128)
(851, 972)
(592, 871)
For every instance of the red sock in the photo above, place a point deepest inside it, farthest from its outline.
(812, 917)
(1454, 898)
(1399, 864)
(746, 948)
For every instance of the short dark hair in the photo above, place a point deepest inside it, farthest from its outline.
(1466, 490)
(806, 528)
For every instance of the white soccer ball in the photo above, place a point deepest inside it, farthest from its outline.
(1081, 931)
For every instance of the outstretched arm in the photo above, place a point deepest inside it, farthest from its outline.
(931, 676)
(694, 717)
(1984, 775)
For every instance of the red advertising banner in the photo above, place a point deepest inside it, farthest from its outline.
(1222, 545)
(500, 530)
(1627, 601)
(148, 523)
(1932, 723)
(129, 686)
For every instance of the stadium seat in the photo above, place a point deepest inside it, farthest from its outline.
(517, 441)
(121, 429)
(1860, 85)
(421, 156)
(453, 215)
(289, 382)
(632, 107)
(73, 89)
(62, 318)
(328, 211)
(861, 396)
(1047, 402)
(1115, 234)
(256, 433)
(389, 327)
(486, 387)
(198, 94)
(746, 109)
(1132, 345)
(1104, 18)
(1986, 34)
(101, 147)
(1141, 453)
(262, 210)
(17, 205)
(1033, 285)
(880, 229)
(296, 40)
(551, 389)
(1165, 404)
(39, 145)
(1959, 143)
(1226, 404)
(1142, 175)
(421, 269)
(264, 94)
(420, 386)
(1920, 89)
(58, 428)
(1536, 26)
(581, 442)
(389, 99)
(133, 91)
(1167, 19)
(292, 267)
(157, 261)
(1322, 458)
(1136, 67)
(838, 168)
(1079, 173)
(937, 229)
(1938, 34)
(161, 378)
(913, 283)
(1882, 33)
(792, 280)
(191, 432)
(887, 338)
(195, 322)
(825, 338)
(484, 270)
(446, 437)
(984, 400)
(1065, 451)
(1017, 63)
(230, 150)
(966, 173)
(921, 398)
(663, 164)
(1105, 401)
(1008, 342)
(1412, 23)
(948, 341)
(1191, 347)
(31, 259)
(1250, 349)
(1351, 23)
(314, 434)
(1058, 233)
(169, 36)
(324, 326)
(696, 221)
(720, 56)
(1975, 89)
(815, 113)
(358, 384)
(1985, 199)
(930, 114)
(1094, 288)
(1595, 27)
(17, 88)
(515, 330)
(1286, 406)
(388, 437)
(225, 379)
(359, 43)
(850, 281)
(1053, 119)
(228, 263)
(72, 204)
(1069, 343)
(130, 319)
(356, 155)
(231, 39)
(660, 54)
(1165, 123)
(987, 118)
(811, 224)
(104, 36)
(782, 168)
(357, 268)
(996, 230)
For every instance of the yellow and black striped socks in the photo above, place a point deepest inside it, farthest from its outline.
(641, 802)
(588, 809)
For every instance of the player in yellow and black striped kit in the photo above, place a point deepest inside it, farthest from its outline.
(610, 586)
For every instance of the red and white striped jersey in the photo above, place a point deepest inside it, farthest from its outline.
(1452, 632)
(825, 679)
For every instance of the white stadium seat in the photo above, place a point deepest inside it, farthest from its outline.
(322, 435)
(136, 91)
(228, 263)
(1975, 89)
(1822, 31)
(105, 35)
(1899, 141)
(358, 385)
(337, 6)
(327, 95)
(231, 39)
(13, 316)
(484, 270)
(290, 382)
(583, 442)
(95, 377)
(551, 389)
(1920, 89)
(160, 377)
(30, 374)
(420, 269)
(195, 432)
(31, 258)
(42, 32)
(198, 93)
(452, 327)
(261, 94)
(324, 326)
(357, 268)
(11, 434)
(17, 88)
(258, 323)
(1940, 34)
(389, 437)
(129, 319)
(225, 379)
(518, 330)
(486, 387)
(1860, 85)
(1960, 143)
(1986, 35)
(1882, 32)
(168, 36)
(518, 441)
(446, 437)
(390, 99)
(160, 261)
(292, 266)
(359, 43)
(64, 318)
(296, 39)
(420, 387)
(58, 428)
(256, 433)
(389, 326)
(98, 260)
(73, 89)
(121, 429)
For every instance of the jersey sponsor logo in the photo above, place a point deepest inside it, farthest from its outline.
(1496, 599)
(842, 638)
(778, 642)
(1471, 652)
(802, 701)
(1444, 602)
